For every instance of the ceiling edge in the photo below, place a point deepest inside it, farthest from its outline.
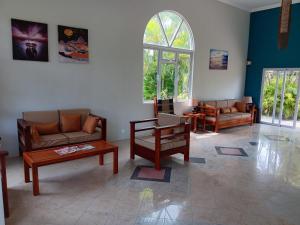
(229, 2)
(271, 6)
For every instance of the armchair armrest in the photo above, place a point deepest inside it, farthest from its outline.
(171, 126)
(23, 124)
(144, 121)
(102, 125)
(3, 153)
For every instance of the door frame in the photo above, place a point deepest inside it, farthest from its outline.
(282, 97)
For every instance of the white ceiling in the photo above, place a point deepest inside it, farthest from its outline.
(254, 5)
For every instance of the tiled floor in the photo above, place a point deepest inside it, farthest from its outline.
(262, 189)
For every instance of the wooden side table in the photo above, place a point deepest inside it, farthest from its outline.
(195, 118)
(3, 154)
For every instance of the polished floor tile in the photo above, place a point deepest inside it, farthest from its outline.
(261, 189)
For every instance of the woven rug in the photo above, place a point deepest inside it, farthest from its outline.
(149, 173)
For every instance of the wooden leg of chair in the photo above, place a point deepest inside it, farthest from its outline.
(115, 159)
(26, 173)
(186, 155)
(157, 165)
(101, 159)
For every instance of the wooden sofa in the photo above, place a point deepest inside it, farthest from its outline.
(26, 142)
(226, 113)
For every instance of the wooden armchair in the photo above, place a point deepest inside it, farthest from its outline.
(157, 146)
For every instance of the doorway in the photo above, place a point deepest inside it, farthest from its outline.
(280, 97)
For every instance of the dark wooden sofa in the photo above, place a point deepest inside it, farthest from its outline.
(26, 142)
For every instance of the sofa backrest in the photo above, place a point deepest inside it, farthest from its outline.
(221, 103)
(41, 116)
(84, 112)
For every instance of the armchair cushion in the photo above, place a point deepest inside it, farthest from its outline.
(35, 136)
(82, 112)
(50, 140)
(166, 144)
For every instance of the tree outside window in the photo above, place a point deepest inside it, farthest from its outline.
(168, 57)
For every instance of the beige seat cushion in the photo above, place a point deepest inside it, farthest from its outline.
(229, 116)
(77, 137)
(50, 140)
(41, 116)
(166, 144)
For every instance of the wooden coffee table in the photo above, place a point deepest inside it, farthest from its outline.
(35, 159)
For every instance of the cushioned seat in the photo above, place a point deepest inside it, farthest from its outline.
(50, 140)
(166, 144)
(76, 137)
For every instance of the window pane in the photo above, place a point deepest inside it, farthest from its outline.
(168, 55)
(167, 80)
(183, 39)
(150, 73)
(153, 33)
(183, 76)
(170, 22)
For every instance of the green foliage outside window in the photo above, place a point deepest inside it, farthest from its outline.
(169, 30)
(290, 96)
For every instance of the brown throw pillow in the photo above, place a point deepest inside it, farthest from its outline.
(70, 122)
(225, 110)
(35, 136)
(46, 128)
(241, 106)
(233, 109)
(90, 124)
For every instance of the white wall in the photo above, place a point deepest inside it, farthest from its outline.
(111, 84)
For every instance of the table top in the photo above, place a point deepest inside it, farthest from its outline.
(49, 156)
(193, 114)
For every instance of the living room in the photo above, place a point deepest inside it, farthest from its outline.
(207, 56)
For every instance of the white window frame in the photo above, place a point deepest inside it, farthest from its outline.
(177, 51)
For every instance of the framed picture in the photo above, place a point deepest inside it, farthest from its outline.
(73, 45)
(218, 59)
(29, 40)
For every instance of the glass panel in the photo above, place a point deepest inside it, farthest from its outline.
(183, 39)
(268, 96)
(183, 76)
(153, 33)
(150, 73)
(279, 99)
(290, 96)
(170, 22)
(167, 80)
(168, 55)
(298, 117)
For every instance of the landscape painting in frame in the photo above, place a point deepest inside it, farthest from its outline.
(29, 40)
(218, 59)
(73, 45)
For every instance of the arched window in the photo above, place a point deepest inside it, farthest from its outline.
(168, 57)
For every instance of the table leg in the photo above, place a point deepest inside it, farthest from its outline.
(195, 119)
(115, 163)
(35, 181)
(26, 172)
(204, 124)
(101, 159)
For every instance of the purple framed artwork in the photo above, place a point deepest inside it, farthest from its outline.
(29, 40)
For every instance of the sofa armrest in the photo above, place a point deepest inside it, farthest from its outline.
(102, 125)
(24, 134)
